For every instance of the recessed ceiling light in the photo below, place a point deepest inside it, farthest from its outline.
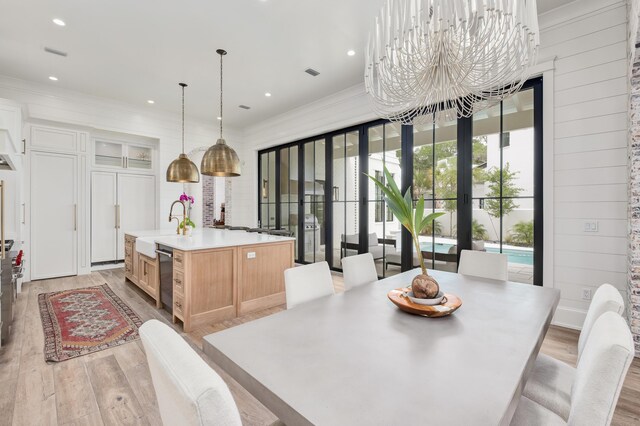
(59, 22)
(268, 95)
(351, 52)
(53, 78)
(219, 118)
(151, 101)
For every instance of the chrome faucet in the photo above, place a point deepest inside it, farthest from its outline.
(184, 216)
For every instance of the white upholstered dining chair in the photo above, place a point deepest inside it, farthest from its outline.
(599, 377)
(550, 381)
(484, 265)
(358, 270)
(307, 282)
(189, 392)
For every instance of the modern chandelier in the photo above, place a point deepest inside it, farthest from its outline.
(448, 57)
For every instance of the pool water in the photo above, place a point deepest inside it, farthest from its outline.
(520, 256)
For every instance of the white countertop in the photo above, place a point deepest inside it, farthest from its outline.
(208, 238)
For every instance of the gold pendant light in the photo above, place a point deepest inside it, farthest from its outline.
(220, 159)
(182, 169)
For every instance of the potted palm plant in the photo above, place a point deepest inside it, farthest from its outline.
(424, 286)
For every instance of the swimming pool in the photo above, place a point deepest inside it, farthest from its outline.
(515, 255)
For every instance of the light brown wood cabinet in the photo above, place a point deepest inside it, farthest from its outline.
(213, 285)
(141, 270)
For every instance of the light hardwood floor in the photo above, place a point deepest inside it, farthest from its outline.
(113, 387)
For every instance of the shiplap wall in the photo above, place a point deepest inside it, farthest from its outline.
(590, 150)
(588, 40)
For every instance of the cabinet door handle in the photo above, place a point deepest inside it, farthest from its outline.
(24, 214)
(75, 217)
(117, 216)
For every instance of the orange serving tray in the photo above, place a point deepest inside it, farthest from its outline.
(449, 304)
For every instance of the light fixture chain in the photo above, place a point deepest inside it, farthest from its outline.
(221, 96)
(183, 119)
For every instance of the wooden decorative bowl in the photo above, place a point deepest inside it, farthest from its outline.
(449, 304)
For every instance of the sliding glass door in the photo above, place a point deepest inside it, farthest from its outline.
(503, 182)
(384, 230)
(289, 190)
(345, 183)
(483, 172)
(314, 196)
(435, 177)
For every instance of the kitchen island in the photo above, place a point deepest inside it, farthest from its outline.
(217, 274)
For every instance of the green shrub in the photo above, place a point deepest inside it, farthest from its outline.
(522, 234)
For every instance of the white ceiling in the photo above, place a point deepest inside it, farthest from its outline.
(141, 49)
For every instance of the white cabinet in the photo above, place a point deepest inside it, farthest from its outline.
(119, 202)
(104, 211)
(54, 214)
(122, 155)
(11, 122)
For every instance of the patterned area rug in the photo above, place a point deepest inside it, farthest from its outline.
(85, 320)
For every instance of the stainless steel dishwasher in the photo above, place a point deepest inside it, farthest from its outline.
(165, 257)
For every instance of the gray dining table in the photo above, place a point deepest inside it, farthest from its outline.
(355, 359)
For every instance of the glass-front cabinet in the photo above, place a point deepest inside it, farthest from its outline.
(122, 155)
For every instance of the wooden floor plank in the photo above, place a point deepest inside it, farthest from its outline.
(74, 395)
(122, 372)
(117, 403)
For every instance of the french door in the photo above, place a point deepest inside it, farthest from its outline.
(483, 172)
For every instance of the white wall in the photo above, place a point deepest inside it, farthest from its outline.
(585, 147)
(590, 148)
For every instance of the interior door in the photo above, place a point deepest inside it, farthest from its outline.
(54, 215)
(137, 201)
(104, 205)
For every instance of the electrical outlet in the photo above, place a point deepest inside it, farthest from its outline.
(591, 226)
(586, 293)
(251, 255)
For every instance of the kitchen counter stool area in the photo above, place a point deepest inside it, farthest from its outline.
(212, 276)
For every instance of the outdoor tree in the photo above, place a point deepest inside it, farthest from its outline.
(435, 173)
(492, 204)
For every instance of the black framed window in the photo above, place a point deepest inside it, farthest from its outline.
(484, 172)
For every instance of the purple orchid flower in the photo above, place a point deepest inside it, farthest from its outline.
(189, 198)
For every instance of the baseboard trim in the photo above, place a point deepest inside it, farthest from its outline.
(569, 317)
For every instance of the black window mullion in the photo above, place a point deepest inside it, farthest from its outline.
(328, 200)
(538, 166)
(501, 168)
(278, 191)
(363, 193)
(406, 167)
(301, 188)
(465, 183)
(260, 188)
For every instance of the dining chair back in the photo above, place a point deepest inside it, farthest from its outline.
(358, 270)
(484, 265)
(307, 282)
(606, 298)
(551, 380)
(601, 371)
(189, 392)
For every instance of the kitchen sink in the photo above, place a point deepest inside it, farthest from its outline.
(146, 246)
